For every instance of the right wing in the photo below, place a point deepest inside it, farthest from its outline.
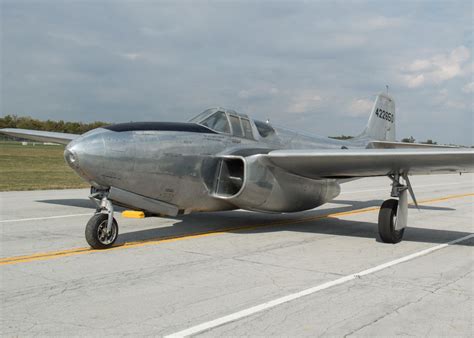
(39, 135)
(346, 163)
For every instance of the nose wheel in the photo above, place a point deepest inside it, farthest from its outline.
(97, 234)
(102, 229)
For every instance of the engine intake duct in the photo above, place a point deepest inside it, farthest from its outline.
(230, 177)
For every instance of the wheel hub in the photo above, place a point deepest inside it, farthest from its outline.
(104, 236)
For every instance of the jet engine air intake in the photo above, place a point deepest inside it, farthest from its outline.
(230, 177)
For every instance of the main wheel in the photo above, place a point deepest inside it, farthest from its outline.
(96, 232)
(387, 221)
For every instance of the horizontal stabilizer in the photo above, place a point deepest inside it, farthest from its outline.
(406, 145)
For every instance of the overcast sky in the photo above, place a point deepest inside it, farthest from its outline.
(313, 65)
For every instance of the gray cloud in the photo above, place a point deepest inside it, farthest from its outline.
(310, 65)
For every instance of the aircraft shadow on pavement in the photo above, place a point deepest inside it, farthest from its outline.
(76, 202)
(253, 223)
(86, 203)
(379, 202)
(72, 202)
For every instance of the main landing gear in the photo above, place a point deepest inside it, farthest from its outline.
(393, 214)
(102, 228)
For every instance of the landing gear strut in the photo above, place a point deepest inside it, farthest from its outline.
(393, 214)
(102, 229)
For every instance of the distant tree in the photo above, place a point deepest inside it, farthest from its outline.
(8, 121)
(408, 140)
(342, 137)
(429, 141)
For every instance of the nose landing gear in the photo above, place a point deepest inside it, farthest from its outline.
(102, 229)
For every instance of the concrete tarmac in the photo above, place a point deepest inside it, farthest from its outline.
(321, 272)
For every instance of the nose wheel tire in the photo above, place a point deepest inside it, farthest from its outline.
(387, 221)
(96, 232)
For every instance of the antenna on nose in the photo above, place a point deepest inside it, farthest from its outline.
(386, 86)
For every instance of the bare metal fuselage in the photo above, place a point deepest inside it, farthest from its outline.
(223, 160)
(183, 171)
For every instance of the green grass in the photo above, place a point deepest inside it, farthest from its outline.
(34, 167)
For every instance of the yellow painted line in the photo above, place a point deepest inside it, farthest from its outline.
(135, 244)
(449, 197)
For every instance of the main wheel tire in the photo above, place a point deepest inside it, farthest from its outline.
(387, 219)
(96, 232)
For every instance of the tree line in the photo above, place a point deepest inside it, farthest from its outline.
(410, 139)
(13, 121)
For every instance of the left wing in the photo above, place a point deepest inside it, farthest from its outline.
(345, 163)
(39, 135)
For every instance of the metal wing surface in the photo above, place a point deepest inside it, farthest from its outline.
(38, 135)
(346, 163)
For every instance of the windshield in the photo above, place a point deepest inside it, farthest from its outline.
(218, 122)
(203, 115)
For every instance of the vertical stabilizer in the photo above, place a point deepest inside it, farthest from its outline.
(381, 125)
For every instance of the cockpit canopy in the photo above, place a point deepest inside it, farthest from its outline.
(225, 121)
(228, 121)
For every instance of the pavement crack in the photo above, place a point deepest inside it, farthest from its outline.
(336, 274)
(384, 315)
(409, 303)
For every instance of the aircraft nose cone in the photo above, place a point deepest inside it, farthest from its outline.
(84, 155)
(77, 152)
(71, 157)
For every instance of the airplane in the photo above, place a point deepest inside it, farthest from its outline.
(224, 160)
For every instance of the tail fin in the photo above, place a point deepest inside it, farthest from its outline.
(381, 125)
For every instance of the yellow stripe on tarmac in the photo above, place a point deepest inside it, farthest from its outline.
(135, 244)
